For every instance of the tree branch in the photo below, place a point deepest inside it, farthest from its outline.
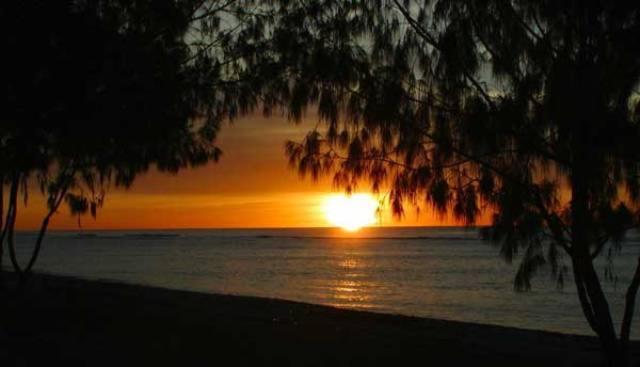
(210, 12)
(11, 221)
(587, 308)
(435, 44)
(630, 301)
(599, 246)
(62, 192)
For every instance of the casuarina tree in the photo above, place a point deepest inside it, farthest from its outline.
(525, 109)
(97, 92)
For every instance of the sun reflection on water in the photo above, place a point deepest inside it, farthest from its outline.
(349, 263)
(349, 291)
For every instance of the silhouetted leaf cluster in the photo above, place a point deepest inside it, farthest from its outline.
(97, 92)
(525, 109)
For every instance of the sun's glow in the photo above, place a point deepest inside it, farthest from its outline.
(350, 212)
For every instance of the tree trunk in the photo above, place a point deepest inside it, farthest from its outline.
(630, 302)
(2, 230)
(11, 222)
(592, 298)
(596, 309)
(36, 250)
(59, 197)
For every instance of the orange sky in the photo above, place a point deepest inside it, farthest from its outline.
(251, 186)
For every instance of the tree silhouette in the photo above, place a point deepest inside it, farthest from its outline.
(527, 109)
(98, 92)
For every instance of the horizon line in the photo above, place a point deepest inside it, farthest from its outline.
(247, 228)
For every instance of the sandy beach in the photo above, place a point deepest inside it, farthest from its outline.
(72, 321)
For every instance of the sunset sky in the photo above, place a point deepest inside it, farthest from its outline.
(251, 186)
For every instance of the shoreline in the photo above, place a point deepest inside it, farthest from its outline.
(90, 322)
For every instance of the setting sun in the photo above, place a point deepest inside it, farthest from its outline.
(350, 212)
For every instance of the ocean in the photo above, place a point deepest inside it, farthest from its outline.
(445, 273)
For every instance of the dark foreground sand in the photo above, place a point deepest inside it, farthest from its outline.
(67, 321)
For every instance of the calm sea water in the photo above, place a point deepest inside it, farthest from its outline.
(434, 272)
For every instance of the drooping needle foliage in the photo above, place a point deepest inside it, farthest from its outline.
(97, 92)
(525, 109)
